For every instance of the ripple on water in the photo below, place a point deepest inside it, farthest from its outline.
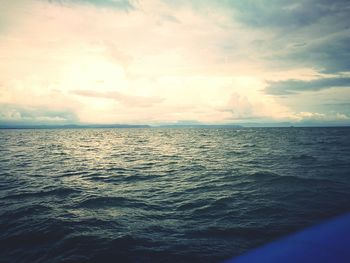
(164, 195)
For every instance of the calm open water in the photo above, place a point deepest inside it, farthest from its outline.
(164, 195)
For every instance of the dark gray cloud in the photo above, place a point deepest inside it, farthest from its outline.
(285, 13)
(329, 54)
(310, 33)
(297, 86)
(125, 5)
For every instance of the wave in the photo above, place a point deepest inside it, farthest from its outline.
(304, 157)
(163, 195)
(273, 177)
(233, 232)
(113, 202)
(59, 192)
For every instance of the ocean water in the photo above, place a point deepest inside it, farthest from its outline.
(165, 195)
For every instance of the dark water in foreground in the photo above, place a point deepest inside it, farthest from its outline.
(164, 195)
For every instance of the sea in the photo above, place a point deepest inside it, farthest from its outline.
(165, 194)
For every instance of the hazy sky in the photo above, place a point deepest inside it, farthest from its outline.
(166, 61)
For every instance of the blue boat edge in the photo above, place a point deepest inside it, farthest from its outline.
(328, 242)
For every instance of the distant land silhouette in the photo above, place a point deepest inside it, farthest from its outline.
(69, 126)
(167, 125)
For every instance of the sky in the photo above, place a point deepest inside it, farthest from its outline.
(174, 61)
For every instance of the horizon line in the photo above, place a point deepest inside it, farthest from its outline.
(198, 125)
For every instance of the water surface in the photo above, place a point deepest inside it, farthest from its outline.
(164, 195)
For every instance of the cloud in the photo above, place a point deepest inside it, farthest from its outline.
(272, 14)
(11, 113)
(286, 14)
(240, 107)
(167, 18)
(170, 60)
(297, 86)
(347, 105)
(124, 5)
(129, 100)
(328, 54)
(310, 117)
(310, 33)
